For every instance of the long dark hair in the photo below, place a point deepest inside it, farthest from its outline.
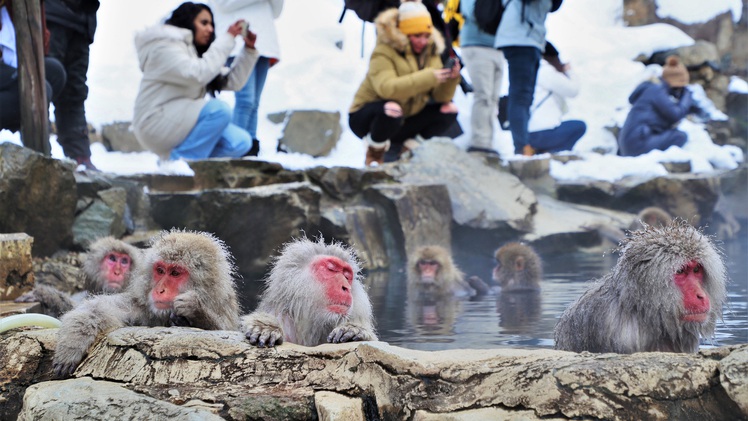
(184, 17)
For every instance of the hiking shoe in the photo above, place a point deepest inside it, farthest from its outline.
(85, 164)
(375, 156)
(488, 151)
(528, 150)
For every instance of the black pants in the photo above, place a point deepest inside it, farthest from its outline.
(371, 119)
(10, 97)
(72, 49)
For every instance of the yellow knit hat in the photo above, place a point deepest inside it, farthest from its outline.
(675, 73)
(413, 18)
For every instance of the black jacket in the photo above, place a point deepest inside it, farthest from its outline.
(78, 15)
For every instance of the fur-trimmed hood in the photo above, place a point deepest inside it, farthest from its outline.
(388, 33)
(157, 34)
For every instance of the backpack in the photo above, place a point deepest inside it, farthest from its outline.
(368, 10)
(487, 14)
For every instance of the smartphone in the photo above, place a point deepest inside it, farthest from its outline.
(450, 63)
(245, 28)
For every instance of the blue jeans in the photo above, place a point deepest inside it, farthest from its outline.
(561, 138)
(248, 98)
(523, 72)
(213, 135)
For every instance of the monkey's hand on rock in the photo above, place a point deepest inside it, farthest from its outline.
(262, 329)
(350, 333)
(28, 297)
(186, 308)
(67, 358)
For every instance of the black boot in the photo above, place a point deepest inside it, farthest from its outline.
(255, 149)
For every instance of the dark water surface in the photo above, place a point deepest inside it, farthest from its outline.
(527, 319)
(519, 319)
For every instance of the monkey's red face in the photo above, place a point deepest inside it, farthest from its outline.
(428, 270)
(168, 280)
(337, 278)
(690, 280)
(116, 267)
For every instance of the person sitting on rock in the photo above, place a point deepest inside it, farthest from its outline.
(407, 91)
(658, 106)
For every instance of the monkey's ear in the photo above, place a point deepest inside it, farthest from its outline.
(519, 263)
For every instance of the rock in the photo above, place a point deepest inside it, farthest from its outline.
(359, 226)
(91, 399)
(16, 269)
(119, 137)
(240, 173)
(188, 368)
(311, 132)
(253, 222)
(481, 196)
(62, 272)
(336, 407)
(38, 197)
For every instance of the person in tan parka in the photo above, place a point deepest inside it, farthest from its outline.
(406, 92)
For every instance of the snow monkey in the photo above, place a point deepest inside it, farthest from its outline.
(431, 271)
(314, 294)
(651, 215)
(666, 290)
(186, 279)
(107, 268)
(518, 268)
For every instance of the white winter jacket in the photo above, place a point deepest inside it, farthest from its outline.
(549, 101)
(172, 91)
(259, 13)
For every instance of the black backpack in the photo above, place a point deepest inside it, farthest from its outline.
(488, 13)
(368, 10)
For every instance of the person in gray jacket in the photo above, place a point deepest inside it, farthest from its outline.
(181, 61)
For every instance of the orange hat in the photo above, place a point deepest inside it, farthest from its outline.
(414, 18)
(675, 73)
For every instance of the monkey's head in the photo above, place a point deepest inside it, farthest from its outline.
(178, 261)
(109, 265)
(679, 269)
(314, 277)
(517, 267)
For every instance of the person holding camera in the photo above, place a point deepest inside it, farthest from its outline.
(261, 14)
(181, 61)
(407, 90)
(658, 106)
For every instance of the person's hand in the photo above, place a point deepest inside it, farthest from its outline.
(250, 39)
(442, 75)
(236, 28)
(455, 70)
(448, 108)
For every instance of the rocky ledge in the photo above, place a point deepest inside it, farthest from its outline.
(183, 373)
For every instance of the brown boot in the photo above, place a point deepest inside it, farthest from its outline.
(375, 151)
(528, 150)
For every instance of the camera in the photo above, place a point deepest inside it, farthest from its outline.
(245, 29)
(450, 63)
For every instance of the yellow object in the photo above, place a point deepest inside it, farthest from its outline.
(452, 12)
(28, 319)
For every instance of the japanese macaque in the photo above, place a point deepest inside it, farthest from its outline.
(666, 290)
(652, 215)
(314, 294)
(431, 271)
(186, 279)
(518, 268)
(107, 268)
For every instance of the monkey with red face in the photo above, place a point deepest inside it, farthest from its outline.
(666, 290)
(314, 294)
(186, 279)
(432, 272)
(107, 268)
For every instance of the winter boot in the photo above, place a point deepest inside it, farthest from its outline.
(375, 151)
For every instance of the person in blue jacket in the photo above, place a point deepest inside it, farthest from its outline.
(657, 107)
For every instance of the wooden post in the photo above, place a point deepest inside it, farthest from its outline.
(27, 18)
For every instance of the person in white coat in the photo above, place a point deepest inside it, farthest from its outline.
(556, 82)
(261, 15)
(181, 61)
